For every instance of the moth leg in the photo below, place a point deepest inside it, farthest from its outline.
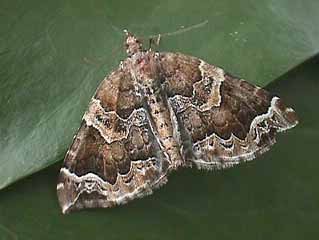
(154, 40)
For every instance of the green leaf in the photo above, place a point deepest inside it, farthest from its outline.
(53, 54)
(274, 197)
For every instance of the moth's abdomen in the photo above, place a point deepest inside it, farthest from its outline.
(163, 124)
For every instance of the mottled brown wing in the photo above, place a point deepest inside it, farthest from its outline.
(114, 156)
(223, 119)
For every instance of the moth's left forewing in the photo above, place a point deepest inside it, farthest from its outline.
(223, 119)
(114, 156)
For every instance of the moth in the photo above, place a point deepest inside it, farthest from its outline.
(160, 111)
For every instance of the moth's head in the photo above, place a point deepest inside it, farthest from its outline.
(132, 44)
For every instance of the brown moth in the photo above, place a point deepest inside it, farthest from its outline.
(160, 111)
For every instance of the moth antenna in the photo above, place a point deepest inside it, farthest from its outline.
(155, 39)
(182, 30)
(99, 61)
(116, 29)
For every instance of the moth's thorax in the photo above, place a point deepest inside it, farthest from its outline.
(145, 67)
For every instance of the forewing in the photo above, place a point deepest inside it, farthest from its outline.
(223, 119)
(114, 156)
